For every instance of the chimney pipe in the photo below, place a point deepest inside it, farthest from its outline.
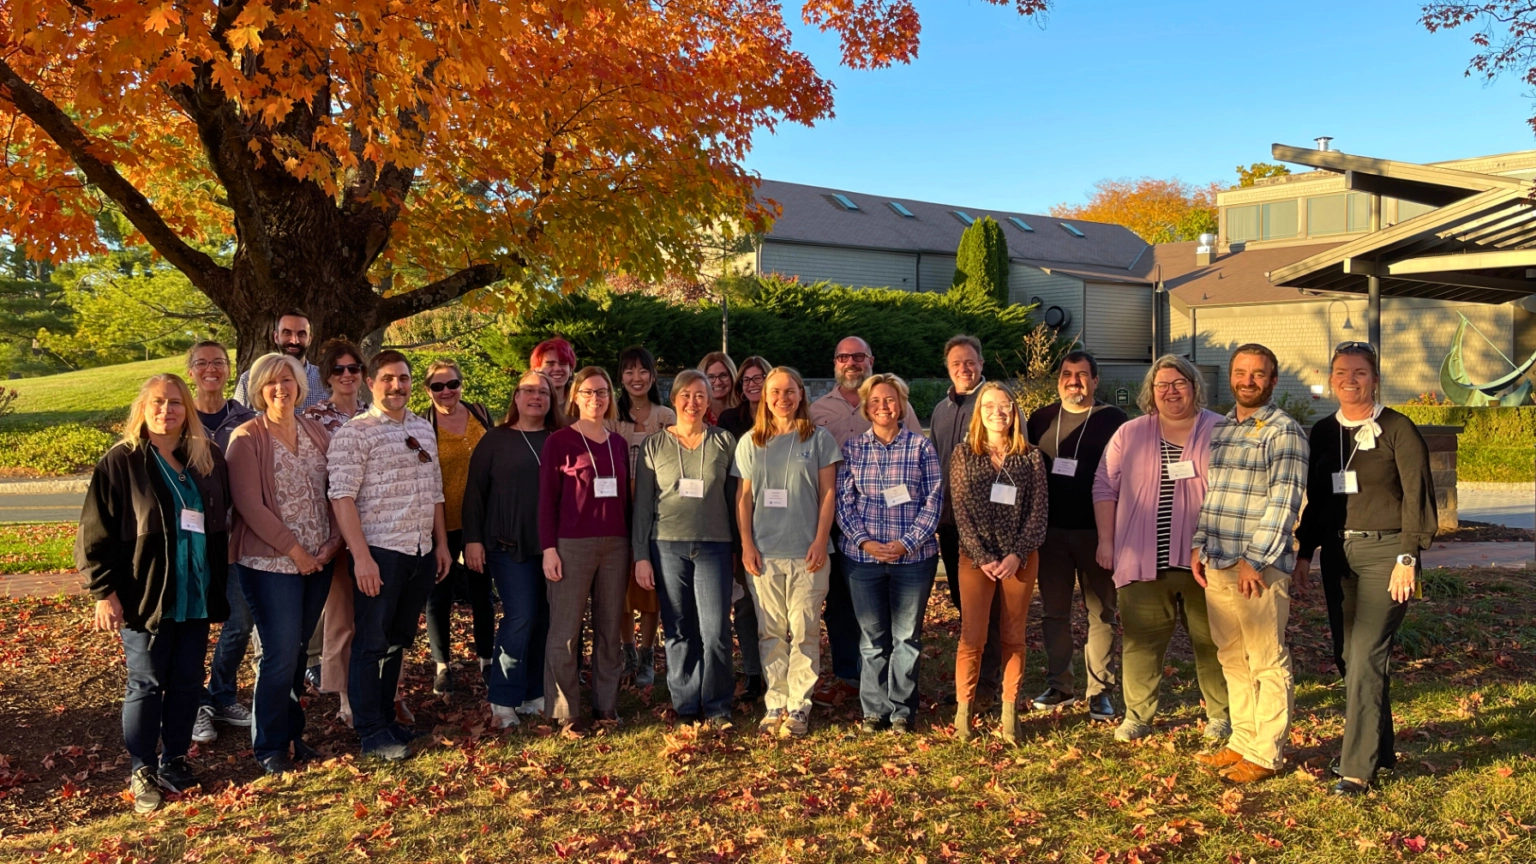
(1322, 142)
(1205, 250)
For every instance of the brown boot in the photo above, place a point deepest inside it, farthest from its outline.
(1221, 760)
(1247, 772)
(1010, 725)
(962, 721)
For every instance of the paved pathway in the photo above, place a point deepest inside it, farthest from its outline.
(1512, 504)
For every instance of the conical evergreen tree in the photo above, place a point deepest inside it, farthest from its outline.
(981, 262)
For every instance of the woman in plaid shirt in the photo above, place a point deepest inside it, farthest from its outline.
(888, 499)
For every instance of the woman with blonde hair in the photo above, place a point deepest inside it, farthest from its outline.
(784, 510)
(153, 548)
(997, 483)
(284, 538)
(720, 370)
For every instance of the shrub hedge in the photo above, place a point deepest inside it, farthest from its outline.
(1501, 427)
(53, 451)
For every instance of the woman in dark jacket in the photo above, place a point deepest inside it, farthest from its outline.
(153, 548)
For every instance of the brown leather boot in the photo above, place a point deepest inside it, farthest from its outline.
(1221, 760)
(962, 721)
(1247, 772)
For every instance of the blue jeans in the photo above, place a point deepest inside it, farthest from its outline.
(889, 601)
(286, 607)
(693, 583)
(517, 660)
(229, 651)
(385, 626)
(165, 684)
(842, 622)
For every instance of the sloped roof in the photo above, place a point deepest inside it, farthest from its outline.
(1234, 278)
(811, 215)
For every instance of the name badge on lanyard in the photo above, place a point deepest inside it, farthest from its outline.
(778, 498)
(690, 488)
(896, 495)
(192, 520)
(1064, 466)
(1002, 493)
(1345, 483)
(605, 487)
(1181, 470)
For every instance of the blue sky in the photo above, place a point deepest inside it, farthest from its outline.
(999, 112)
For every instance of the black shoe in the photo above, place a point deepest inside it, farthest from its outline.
(1349, 788)
(304, 753)
(275, 765)
(403, 734)
(312, 676)
(442, 683)
(175, 776)
(386, 746)
(1101, 708)
(871, 725)
(755, 689)
(146, 791)
(901, 726)
(689, 719)
(1053, 698)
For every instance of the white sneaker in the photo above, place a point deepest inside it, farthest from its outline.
(1130, 730)
(532, 706)
(504, 717)
(202, 729)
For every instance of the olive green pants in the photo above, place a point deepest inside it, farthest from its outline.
(1148, 614)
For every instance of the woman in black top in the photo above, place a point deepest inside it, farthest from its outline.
(750, 376)
(1371, 507)
(501, 537)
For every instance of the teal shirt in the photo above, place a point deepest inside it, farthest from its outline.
(191, 547)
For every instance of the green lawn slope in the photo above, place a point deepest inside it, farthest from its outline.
(96, 397)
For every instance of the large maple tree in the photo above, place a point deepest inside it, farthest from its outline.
(370, 159)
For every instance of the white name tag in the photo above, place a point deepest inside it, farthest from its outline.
(192, 520)
(690, 488)
(896, 495)
(606, 487)
(1002, 493)
(1345, 483)
(1181, 470)
(1064, 466)
(776, 498)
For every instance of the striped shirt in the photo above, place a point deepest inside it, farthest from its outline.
(1257, 474)
(1165, 489)
(871, 466)
(396, 493)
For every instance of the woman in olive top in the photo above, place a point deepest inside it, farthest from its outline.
(1371, 507)
(641, 415)
(501, 540)
(459, 427)
(153, 549)
(682, 546)
(784, 509)
(998, 486)
(584, 532)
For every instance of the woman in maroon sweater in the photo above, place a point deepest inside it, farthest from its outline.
(584, 532)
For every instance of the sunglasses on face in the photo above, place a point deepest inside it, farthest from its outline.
(346, 368)
(439, 386)
(851, 358)
(421, 455)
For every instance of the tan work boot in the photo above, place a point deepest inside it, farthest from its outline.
(1221, 760)
(1010, 729)
(962, 721)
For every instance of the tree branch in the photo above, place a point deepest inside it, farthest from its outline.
(436, 294)
(204, 272)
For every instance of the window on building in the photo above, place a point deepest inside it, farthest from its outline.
(963, 216)
(1021, 224)
(1072, 229)
(1347, 213)
(845, 202)
(900, 210)
(1275, 220)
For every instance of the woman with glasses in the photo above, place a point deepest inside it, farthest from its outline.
(681, 542)
(720, 371)
(584, 534)
(501, 540)
(1371, 507)
(784, 509)
(750, 377)
(998, 487)
(888, 497)
(459, 426)
(153, 550)
(284, 537)
(1146, 501)
(641, 415)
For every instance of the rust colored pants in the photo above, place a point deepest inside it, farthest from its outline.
(976, 590)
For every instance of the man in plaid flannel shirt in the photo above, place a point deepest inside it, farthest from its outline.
(1243, 556)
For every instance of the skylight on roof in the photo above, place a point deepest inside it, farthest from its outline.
(963, 217)
(904, 212)
(1072, 229)
(1022, 225)
(845, 202)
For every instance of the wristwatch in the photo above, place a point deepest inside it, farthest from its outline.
(1407, 560)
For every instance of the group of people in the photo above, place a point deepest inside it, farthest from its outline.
(316, 495)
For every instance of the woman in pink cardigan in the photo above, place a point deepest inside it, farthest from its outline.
(1146, 500)
(284, 538)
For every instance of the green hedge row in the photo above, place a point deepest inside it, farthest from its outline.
(1502, 427)
(54, 451)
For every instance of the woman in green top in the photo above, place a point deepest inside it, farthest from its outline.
(153, 548)
(681, 532)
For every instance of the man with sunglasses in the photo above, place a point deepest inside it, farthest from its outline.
(387, 491)
(291, 335)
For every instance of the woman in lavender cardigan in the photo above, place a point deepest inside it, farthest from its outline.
(1146, 497)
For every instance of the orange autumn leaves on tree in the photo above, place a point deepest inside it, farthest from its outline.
(431, 147)
(1158, 211)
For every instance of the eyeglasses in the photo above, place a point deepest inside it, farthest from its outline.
(411, 442)
(532, 391)
(1355, 346)
(346, 368)
(721, 378)
(1180, 385)
(594, 394)
(851, 358)
(210, 364)
(438, 386)
(753, 379)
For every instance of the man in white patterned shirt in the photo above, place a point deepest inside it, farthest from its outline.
(387, 490)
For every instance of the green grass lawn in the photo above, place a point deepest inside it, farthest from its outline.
(1485, 464)
(91, 396)
(37, 547)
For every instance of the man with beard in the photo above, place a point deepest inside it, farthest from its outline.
(1242, 555)
(838, 412)
(1072, 435)
(291, 335)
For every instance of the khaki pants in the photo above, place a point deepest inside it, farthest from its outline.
(1250, 642)
(595, 568)
(788, 598)
(335, 630)
(976, 592)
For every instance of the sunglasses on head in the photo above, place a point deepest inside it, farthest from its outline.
(421, 455)
(1354, 346)
(437, 386)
